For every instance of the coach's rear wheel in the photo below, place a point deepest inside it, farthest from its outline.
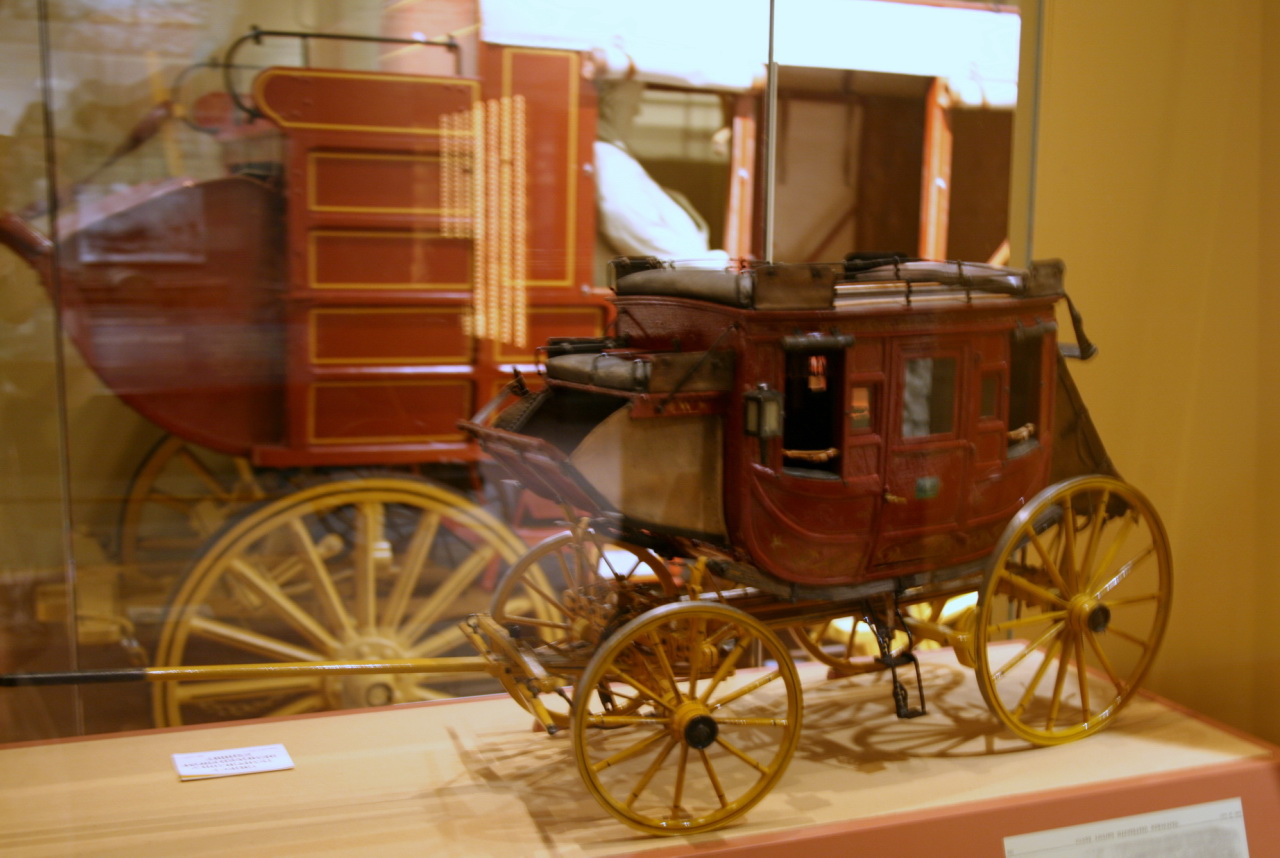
(353, 570)
(1072, 609)
(667, 737)
(568, 592)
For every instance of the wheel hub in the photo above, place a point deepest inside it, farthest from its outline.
(361, 690)
(1089, 613)
(700, 732)
(694, 725)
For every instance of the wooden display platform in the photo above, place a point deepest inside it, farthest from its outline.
(472, 778)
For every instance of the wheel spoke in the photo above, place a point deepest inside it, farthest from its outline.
(318, 574)
(586, 569)
(431, 610)
(649, 693)
(1047, 559)
(283, 606)
(370, 542)
(650, 772)
(546, 596)
(1117, 542)
(1095, 531)
(1125, 636)
(664, 665)
(1059, 683)
(299, 706)
(753, 722)
(446, 640)
(741, 755)
(1067, 532)
(604, 558)
(1029, 694)
(681, 768)
(1021, 586)
(1082, 676)
(1027, 620)
(697, 634)
(203, 474)
(249, 641)
(1134, 600)
(746, 689)
(1105, 661)
(1052, 631)
(627, 721)
(248, 479)
(416, 557)
(1125, 570)
(715, 781)
(629, 752)
(726, 666)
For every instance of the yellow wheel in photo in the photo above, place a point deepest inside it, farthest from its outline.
(671, 737)
(360, 569)
(1072, 609)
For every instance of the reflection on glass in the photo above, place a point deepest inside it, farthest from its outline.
(301, 269)
(928, 397)
(859, 408)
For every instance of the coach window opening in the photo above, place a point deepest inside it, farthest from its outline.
(1025, 355)
(812, 413)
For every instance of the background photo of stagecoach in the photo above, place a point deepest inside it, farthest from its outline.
(272, 363)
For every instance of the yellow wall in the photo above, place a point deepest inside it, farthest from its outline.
(1156, 182)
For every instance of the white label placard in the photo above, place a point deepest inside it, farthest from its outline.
(1214, 828)
(233, 761)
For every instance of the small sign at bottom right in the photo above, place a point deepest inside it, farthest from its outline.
(1214, 828)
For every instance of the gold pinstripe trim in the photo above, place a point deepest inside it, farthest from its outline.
(259, 88)
(313, 338)
(314, 157)
(312, 438)
(314, 283)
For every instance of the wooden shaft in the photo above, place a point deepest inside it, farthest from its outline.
(472, 664)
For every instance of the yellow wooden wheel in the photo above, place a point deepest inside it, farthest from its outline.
(358, 569)
(1072, 609)
(668, 737)
(566, 593)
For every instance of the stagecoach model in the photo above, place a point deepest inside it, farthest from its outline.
(805, 448)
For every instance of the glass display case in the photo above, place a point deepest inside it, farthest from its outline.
(259, 259)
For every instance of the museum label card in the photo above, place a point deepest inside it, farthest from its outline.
(233, 761)
(1215, 828)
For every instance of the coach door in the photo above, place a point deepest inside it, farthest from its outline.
(929, 455)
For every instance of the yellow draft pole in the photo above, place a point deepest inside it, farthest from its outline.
(460, 664)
